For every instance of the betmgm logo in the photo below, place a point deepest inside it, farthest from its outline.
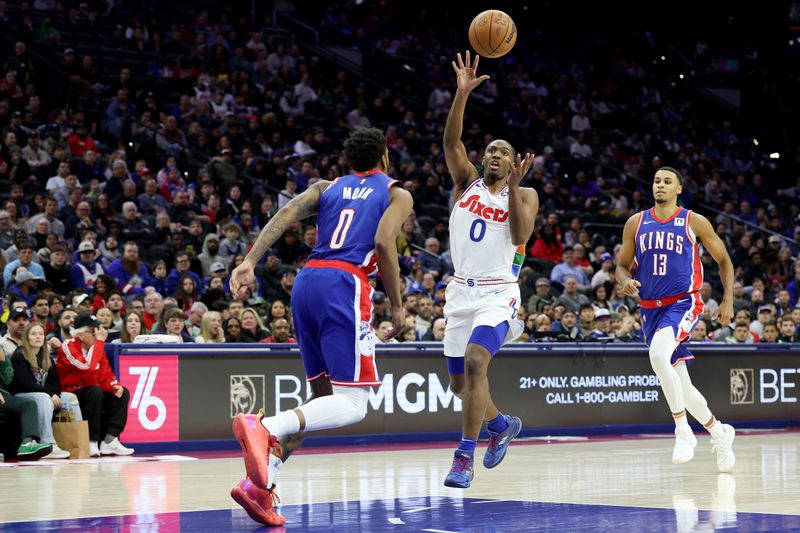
(247, 394)
(742, 390)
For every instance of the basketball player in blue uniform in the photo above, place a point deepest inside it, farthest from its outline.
(661, 245)
(358, 219)
(491, 221)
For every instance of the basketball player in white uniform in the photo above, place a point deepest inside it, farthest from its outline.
(492, 220)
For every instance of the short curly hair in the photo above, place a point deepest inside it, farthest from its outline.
(364, 148)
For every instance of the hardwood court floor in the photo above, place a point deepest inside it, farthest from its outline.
(620, 485)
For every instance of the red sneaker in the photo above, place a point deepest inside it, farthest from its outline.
(255, 442)
(259, 503)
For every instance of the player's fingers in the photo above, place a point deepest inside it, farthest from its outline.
(459, 60)
(475, 63)
(466, 58)
(484, 78)
(455, 67)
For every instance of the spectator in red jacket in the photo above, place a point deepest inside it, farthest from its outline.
(83, 369)
(547, 245)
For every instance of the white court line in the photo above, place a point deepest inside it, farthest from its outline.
(439, 531)
(489, 501)
(396, 521)
(417, 510)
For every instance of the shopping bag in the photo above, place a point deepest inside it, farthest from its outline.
(71, 435)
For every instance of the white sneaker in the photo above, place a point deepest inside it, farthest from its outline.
(685, 441)
(114, 447)
(724, 449)
(94, 451)
(57, 453)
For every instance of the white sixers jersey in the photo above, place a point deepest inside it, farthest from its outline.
(480, 239)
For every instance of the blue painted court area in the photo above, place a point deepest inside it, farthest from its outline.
(435, 514)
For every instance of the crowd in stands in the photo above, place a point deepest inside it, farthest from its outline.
(136, 195)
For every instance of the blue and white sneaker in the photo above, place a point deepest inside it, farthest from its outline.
(462, 472)
(498, 442)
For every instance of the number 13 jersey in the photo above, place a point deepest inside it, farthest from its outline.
(667, 259)
(480, 238)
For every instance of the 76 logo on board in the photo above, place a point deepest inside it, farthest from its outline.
(153, 410)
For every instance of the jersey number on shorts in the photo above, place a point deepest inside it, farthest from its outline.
(659, 264)
(346, 217)
(479, 227)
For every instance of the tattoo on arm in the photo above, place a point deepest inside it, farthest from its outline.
(298, 208)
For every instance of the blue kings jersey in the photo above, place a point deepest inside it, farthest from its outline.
(349, 212)
(667, 259)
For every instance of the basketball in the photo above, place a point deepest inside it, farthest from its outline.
(492, 33)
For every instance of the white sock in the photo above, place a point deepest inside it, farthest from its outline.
(284, 423)
(275, 465)
(716, 430)
(682, 422)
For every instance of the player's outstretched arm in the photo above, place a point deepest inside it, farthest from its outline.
(626, 255)
(455, 154)
(710, 240)
(400, 204)
(298, 208)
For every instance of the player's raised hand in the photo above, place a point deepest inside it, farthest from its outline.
(519, 168)
(724, 313)
(631, 287)
(467, 74)
(398, 322)
(241, 277)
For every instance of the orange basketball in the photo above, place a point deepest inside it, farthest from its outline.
(492, 33)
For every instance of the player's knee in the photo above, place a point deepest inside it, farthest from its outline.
(475, 367)
(357, 400)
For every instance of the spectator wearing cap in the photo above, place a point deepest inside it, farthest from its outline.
(56, 271)
(602, 325)
(25, 258)
(87, 269)
(24, 287)
(221, 169)
(84, 370)
(18, 318)
(284, 291)
(131, 273)
(567, 268)
(764, 315)
(605, 274)
(380, 309)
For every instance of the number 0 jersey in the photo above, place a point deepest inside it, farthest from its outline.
(480, 238)
(349, 212)
(667, 259)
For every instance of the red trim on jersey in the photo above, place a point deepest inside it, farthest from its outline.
(697, 264)
(663, 302)
(392, 184)
(653, 214)
(368, 372)
(684, 358)
(368, 173)
(697, 311)
(471, 185)
(323, 373)
(340, 265)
